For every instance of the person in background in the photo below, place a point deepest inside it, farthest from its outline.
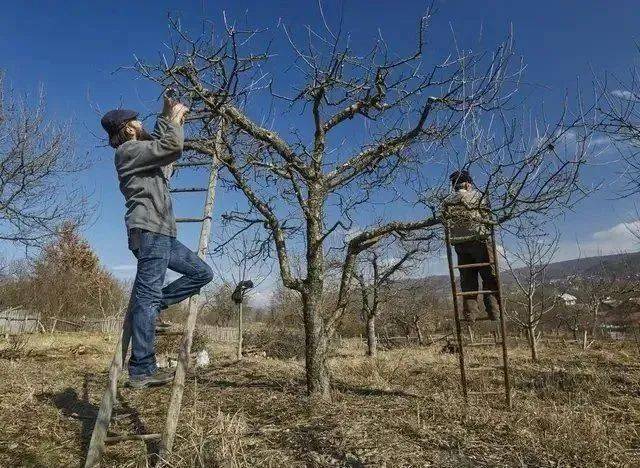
(468, 216)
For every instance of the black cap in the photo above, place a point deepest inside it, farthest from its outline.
(459, 177)
(113, 120)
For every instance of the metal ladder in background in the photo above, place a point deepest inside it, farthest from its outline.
(99, 436)
(500, 332)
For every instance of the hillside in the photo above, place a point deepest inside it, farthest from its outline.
(620, 265)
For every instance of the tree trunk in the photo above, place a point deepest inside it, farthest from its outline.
(316, 334)
(239, 342)
(372, 340)
(533, 343)
(531, 330)
(419, 333)
(594, 321)
(316, 348)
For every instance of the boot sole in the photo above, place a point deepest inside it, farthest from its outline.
(147, 384)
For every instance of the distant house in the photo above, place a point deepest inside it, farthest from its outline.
(568, 299)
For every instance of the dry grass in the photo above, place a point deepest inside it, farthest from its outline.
(574, 408)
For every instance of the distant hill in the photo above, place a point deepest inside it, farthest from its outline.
(627, 264)
(619, 265)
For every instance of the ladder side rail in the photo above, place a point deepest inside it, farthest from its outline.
(109, 398)
(177, 390)
(456, 313)
(505, 357)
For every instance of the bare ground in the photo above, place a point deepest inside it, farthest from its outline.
(574, 408)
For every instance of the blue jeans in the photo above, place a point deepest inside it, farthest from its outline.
(155, 253)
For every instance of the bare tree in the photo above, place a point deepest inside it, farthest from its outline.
(619, 122)
(413, 306)
(306, 190)
(36, 160)
(528, 263)
(239, 258)
(377, 270)
(593, 290)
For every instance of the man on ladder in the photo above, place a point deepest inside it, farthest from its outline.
(468, 215)
(143, 162)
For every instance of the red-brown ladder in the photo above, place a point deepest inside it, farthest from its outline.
(500, 332)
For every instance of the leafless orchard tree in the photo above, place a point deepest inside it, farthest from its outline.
(240, 257)
(411, 309)
(619, 108)
(594, 290)
(375, 122)
(528, 262)
(36, 159)
(376, 270)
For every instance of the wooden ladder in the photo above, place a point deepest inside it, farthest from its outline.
(99, 436)
(501, 329)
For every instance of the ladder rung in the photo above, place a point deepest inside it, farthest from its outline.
(192, 164)
(473, 293)
(473, 265)
(189, 220)
(188, 189)
(122, 438)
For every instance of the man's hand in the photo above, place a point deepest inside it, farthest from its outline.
(174, 110)
(178, 113)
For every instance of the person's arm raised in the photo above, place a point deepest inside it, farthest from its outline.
(147, 155)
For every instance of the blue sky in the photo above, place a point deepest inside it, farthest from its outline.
(74, 49)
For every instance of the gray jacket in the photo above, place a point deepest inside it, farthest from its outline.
(144, 178)
(468, 216)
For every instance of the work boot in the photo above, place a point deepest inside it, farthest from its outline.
(469, 310)
(491, 307)
(158, 378)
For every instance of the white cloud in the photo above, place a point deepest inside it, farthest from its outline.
(622, 236)
(624, 94)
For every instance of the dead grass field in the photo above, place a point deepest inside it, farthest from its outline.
(574, 408)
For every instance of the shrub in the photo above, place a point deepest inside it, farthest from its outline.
(276, 342)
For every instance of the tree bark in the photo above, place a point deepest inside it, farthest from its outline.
(416, 324)
(239, 342)
(531, 330)
(317, 335)
(316, 348)
(594, 322)
(533, 343)
(372, 340)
